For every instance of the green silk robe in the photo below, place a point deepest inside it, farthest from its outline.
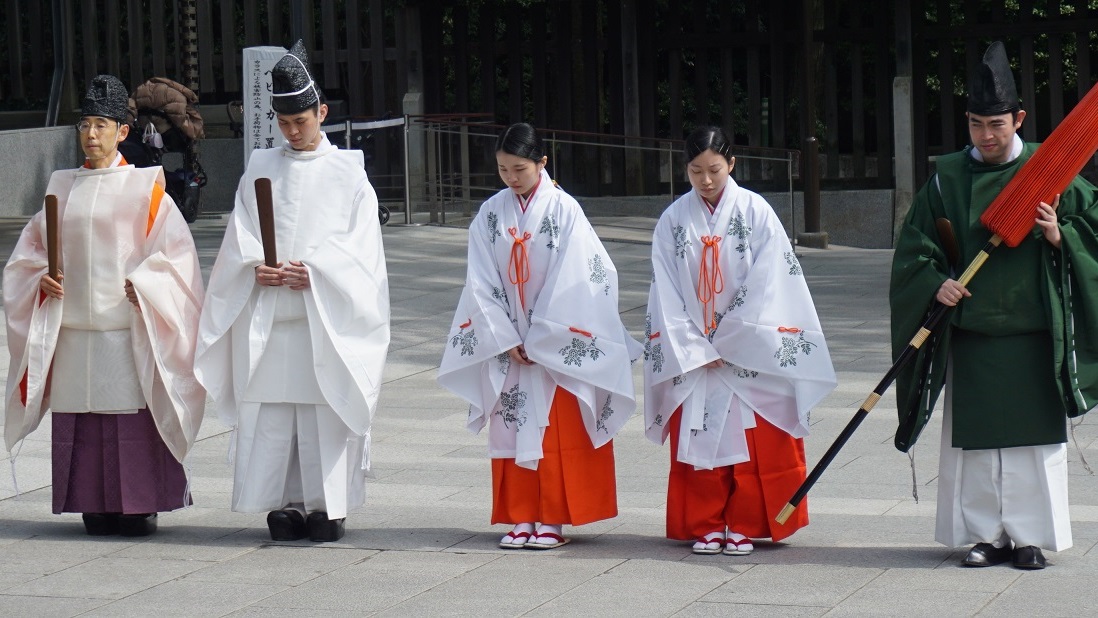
(1024, 346)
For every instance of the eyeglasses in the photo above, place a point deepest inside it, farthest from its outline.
(85, 126)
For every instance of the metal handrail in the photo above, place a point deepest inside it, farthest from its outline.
(777, 154)
(444, 184)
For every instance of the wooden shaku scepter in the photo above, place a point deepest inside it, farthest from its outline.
(265, 206)
(53, 238)
(1010, 217)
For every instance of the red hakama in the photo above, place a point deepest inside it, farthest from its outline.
(745, 497)
(574, 483)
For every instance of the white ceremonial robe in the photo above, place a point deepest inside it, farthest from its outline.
(986, 494)
(110, 357)
(321, 349)
(566, 315)
(776, 361)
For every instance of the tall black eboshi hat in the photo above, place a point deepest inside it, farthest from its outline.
(106, 97)
(292, 87)
(991, 90)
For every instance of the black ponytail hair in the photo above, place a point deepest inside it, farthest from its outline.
(521, 140)
(708, 138)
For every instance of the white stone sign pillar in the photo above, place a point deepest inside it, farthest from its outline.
(260, 125)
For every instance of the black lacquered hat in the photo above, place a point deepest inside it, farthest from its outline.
(292, 87)
(991, 90)
(106, 97)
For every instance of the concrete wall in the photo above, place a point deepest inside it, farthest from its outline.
(27, 158)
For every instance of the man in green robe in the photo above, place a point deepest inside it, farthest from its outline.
(1017, 357)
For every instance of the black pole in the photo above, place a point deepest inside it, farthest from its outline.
(936, 313)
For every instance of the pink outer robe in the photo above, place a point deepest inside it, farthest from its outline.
(158, 257)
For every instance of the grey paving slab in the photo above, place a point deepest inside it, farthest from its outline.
(704, 609)
(947, 578)
(499, 594)
(267, 565)
(794, 584)
(423, 543)
(276, 612)
(188, 597)
(105, 578)
(1048, 593)
(15, 605)
(640, 587)
(13, 578)
(914, 603)
(379, 583)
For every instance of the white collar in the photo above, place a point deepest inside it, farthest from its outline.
(323, 148)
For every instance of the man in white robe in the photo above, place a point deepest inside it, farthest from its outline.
(293, 354)
(108, 345)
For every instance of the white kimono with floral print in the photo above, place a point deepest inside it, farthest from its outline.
(727, 285)
(565, 312)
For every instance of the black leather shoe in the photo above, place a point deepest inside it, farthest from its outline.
(137, 525)
(986, 554)
(286, 525)
(100, 524)
(322, 529)
(1029, 557)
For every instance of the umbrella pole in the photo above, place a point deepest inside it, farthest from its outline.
(909, 352)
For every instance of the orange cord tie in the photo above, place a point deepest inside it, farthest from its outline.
(582, 332)
(466, 324)
(789, 329)
(518, 270)
(710, 280)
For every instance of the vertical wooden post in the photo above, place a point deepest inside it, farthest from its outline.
(297, 22)
(135, 19)
(813, 235)
(228, 51)
(674, 38)
(904, 119)
(513, 24)
(15, 50)
(88, 24)
(189, 31)
(377, 57)
(808, 114)
(356, 75)
(161, 26)
(634, 178)
(328, 32)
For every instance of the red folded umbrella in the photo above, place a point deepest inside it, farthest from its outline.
(1046, 174)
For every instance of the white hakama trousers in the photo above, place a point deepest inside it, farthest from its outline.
(988, 495)
(293, 454)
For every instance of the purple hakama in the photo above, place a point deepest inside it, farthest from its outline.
(114, 463)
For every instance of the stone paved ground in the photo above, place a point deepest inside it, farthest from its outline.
(422, 544)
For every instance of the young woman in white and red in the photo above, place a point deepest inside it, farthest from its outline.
(538, 350)
(734, 359)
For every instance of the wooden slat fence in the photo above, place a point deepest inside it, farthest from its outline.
(1051, 42)
(353, 45)
(558, 63)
